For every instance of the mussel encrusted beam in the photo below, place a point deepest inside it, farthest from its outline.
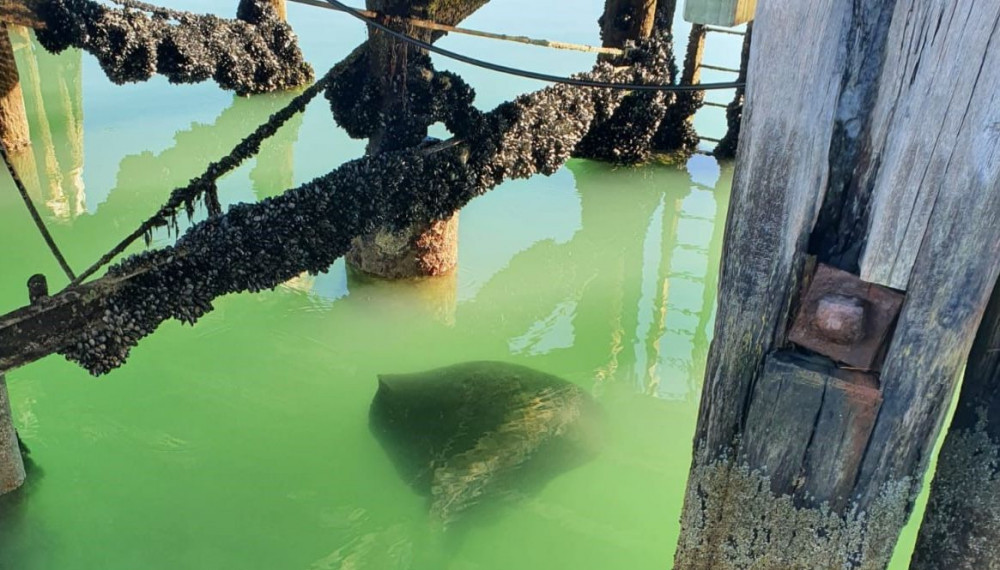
(258, 246)
(254, 53)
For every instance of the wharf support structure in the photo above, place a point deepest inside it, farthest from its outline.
(860, 252)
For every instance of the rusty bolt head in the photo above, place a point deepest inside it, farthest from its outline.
(38, 288)
(840, 318)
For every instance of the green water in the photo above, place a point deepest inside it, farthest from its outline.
(243, 442)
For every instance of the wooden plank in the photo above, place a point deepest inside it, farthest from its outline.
(958, 259)
(777, 188)
(808, 426)
(959, 529)
(49, 325)
(920, 117)
(786, 402)
(839, 441)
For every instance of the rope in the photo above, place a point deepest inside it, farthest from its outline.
(522, 72)
(429, 25)
(39, 223)
(205, 183)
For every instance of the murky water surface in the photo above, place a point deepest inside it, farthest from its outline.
(243, 442)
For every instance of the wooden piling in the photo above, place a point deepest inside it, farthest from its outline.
(676, 131)
(624, 136)
(811, 463)
(625, 20)
(11, 462)
(665, 11)
(424, 250)
(726, 149)
(281, 8)
(13, 119)
(251, 11)
(961, 525)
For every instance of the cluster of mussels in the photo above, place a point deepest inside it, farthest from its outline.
(734, 115)
(431, 96)
(253, 247)
(676, 132)
(626, 136)
(135, 42)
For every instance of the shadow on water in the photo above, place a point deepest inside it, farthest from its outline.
(19, 533)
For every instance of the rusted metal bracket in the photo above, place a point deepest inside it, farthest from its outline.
(846, 319)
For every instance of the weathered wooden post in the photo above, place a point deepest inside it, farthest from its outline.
(734, 111)
(961, 526)
(860, 160)
(665, 11)
(624, 136)
(676, 132)
(11, 463)
(13, 119)
(281, 8)
(422, 250)
(250, 10)
(626, 20)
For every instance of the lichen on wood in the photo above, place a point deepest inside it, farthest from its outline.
(732, 520)
(962, 519)
(136, 41)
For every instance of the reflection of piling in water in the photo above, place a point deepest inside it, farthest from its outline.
(11, 464)
(13, 119)
(274, 169)
(435, 297)
(70, 79)
(668, 240)
(54, 84)
(615, 224)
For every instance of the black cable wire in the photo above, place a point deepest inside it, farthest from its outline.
(39, 223)
(525, 73)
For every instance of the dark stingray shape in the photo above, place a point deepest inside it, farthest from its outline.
(476, 430)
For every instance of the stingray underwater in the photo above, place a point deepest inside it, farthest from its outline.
(481, 431)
